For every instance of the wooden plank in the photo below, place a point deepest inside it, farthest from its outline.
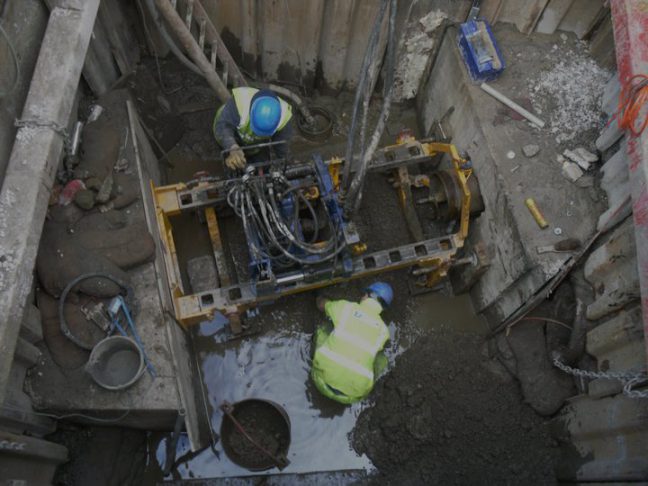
(34, 160)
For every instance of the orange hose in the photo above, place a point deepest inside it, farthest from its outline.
(632, 100)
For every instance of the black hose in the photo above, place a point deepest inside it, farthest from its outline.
(373, 40)
(354, 193)
(63, 323)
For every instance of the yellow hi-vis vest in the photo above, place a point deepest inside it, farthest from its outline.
(345, 360)
(243, 99)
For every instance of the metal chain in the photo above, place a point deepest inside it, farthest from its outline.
(629, 379)
(61, 130)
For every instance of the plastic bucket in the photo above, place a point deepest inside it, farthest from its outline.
(116, 363)
(267, 423)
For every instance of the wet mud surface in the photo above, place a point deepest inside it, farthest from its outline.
(444, 415)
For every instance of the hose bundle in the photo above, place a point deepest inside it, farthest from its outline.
(270, 232)
(368, 73)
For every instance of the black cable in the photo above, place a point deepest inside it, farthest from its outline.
(354, 193)
(373, 39)
(63, 323)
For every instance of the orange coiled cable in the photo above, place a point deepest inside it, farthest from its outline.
(632, 100)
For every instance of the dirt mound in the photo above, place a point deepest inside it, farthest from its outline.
(441, 416)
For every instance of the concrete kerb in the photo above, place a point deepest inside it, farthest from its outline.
(33, 163)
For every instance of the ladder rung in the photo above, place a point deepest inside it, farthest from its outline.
(189, 13)
(201, 35)
(225, 72)
(214, 49)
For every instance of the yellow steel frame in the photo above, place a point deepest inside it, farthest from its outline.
(188, 308)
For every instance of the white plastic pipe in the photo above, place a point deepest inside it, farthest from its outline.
(512, 105)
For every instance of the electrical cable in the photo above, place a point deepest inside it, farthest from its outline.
(632, 101)
(14, 57)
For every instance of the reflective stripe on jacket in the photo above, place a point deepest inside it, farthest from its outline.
(243, 99)
(345, 360)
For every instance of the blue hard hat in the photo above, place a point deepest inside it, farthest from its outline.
(265, 115)
(381, 291)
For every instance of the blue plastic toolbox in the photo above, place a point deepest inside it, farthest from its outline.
(480, 51)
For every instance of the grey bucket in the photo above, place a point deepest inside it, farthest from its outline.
(116, 363)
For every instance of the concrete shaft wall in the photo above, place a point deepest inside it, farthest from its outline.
(316, 43)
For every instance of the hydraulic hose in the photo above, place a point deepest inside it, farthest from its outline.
(371, 44)
(354, 192)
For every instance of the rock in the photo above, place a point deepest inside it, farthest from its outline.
(585, 181)
(85, 199)
(530, 150)
(93, 183)
(126, 247)
(544, 387)
(510, 154)
(103, 196)
(571, 171)
(126, 190)
(582, 157)
(64, 352)
(61, 259)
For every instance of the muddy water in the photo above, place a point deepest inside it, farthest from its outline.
(275, 367)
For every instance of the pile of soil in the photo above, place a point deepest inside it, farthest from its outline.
(443, 416)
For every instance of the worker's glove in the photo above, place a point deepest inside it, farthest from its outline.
(236, 158)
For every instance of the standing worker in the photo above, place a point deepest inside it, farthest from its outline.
(348, 358)
(252, 116)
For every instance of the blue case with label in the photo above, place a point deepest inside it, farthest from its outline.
(480, 51)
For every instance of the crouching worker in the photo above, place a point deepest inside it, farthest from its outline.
(250, 117)
(349, 358)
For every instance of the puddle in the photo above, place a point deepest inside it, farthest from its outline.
(275, 367)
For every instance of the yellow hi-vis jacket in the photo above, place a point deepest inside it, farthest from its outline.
(343, 364)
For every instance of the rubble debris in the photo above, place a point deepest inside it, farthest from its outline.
(571, 91)
(571, 171)
(510, 154)
(68, 193)
(85, 199)
(105, 190)
(530, 150)
(584, 158)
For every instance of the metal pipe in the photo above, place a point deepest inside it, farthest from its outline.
(512, 105)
